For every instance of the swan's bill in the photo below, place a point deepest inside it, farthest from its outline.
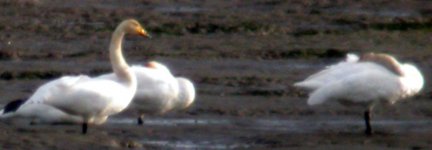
(143, 33)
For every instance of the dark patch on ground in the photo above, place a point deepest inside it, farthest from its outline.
(242, 56)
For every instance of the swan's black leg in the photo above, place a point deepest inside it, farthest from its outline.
(368, 130)
(84, 128)
(140, 120)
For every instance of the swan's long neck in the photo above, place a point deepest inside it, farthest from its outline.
(385, 61)
(118, 63)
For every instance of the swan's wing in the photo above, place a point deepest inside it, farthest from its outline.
(155, 83)
(83, 94)
(336, 72)
(330, 73)
(108, 76)
(44, 92)
(46, 114)
(156, 89)
(351, 59)
(361, 87)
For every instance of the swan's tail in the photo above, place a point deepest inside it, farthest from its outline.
(1, 113)
(10, 108)
(308, 85)
(5, 115)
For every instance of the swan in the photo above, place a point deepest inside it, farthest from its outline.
(364, 80)
(39, 113)
(158, 90)
(92, 100)
(157, 93)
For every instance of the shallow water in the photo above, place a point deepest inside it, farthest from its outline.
(292, 126)
(198, 144)
(378, 13)
(261, 125)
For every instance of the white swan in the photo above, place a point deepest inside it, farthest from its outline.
(365, 80)
(158, 90)
(90, 99)
(39, 113)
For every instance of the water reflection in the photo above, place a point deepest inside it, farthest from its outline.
(191, 144)
(292, 126)
(248, 126)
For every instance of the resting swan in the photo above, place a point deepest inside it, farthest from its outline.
(91, 100)
(158, 90)
(39, 113)
(365, 80)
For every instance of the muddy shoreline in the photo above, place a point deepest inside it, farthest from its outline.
(243, 58)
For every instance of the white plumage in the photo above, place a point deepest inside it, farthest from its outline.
(367, 80)
(158, 90)
(82, 98)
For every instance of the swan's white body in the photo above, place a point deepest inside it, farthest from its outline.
(158, 90)
(82, 98)
(368, 80)
(362, 82)
(76, 99)
(43, 113)
(90, 98)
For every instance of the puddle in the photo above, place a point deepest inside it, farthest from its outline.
(197, 144)
(248, 126)
(171, 122)
(298, 126)
(291, 126)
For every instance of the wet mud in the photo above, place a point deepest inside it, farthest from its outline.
(243, 57)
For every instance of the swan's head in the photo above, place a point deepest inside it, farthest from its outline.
(132, 26)
(413, 78)
(186, 94)
(158, 66)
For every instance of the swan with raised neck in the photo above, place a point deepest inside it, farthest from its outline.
(119, 65)
(83, 99)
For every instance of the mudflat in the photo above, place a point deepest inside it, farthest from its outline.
(243, 57)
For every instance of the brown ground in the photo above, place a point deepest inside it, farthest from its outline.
(243, 58)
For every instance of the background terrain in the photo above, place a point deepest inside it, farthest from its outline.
(243, 57)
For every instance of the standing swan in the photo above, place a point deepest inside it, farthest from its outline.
(365, 80)
(158, 90)
(91, 99)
